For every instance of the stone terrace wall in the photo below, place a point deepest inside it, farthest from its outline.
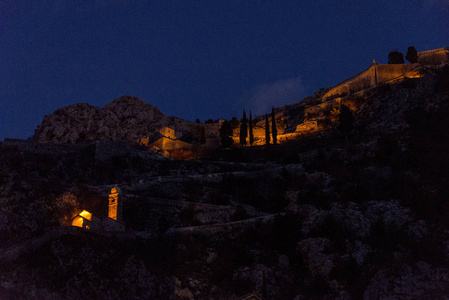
(390, 72)
(360, 81)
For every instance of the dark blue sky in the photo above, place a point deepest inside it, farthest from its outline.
(195, 59)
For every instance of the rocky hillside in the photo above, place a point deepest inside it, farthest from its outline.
(128, 118)
(359, 215)
(125, 119)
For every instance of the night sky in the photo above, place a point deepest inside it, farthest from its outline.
(195, 59)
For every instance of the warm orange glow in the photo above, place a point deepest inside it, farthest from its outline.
(113, 202)
(87, 215)
(78, 221)
(168, 133)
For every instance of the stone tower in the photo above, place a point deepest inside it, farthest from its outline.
(115, 205)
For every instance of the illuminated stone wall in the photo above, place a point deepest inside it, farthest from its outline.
(307, 127)
(168, 132)
(144, 141)
(386, 73)
(375, 74)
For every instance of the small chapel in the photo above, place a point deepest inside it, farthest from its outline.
(114, 221)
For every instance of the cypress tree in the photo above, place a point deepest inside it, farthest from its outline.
(267, 130)
(274, 131)
(243, 129)
(251, 134)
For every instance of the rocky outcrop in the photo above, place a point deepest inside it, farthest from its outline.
(125, 119)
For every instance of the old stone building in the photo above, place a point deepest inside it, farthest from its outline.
(165, 142)
(113, 222)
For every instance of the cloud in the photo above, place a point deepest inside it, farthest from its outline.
(276, 94)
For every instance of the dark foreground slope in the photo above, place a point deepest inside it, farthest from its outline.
(323, 217)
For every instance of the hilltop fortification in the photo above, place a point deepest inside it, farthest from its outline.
(388, 73)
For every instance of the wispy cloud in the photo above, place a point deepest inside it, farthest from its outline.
(276, 94)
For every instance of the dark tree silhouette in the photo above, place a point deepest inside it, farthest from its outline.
(274, 131)
(412, 55)
(395, 57)
(235, 123)
(345, 120)
(251, 133)
(267, 130)
(198, 121)
(243, 129)
(202, 136)
(225, 134)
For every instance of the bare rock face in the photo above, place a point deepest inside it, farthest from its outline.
(128, 118)
(69, 124)
(317, 257)
(125, 119)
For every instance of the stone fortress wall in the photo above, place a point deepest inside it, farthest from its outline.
(372, 76)
(386, 73)
(434, 57)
